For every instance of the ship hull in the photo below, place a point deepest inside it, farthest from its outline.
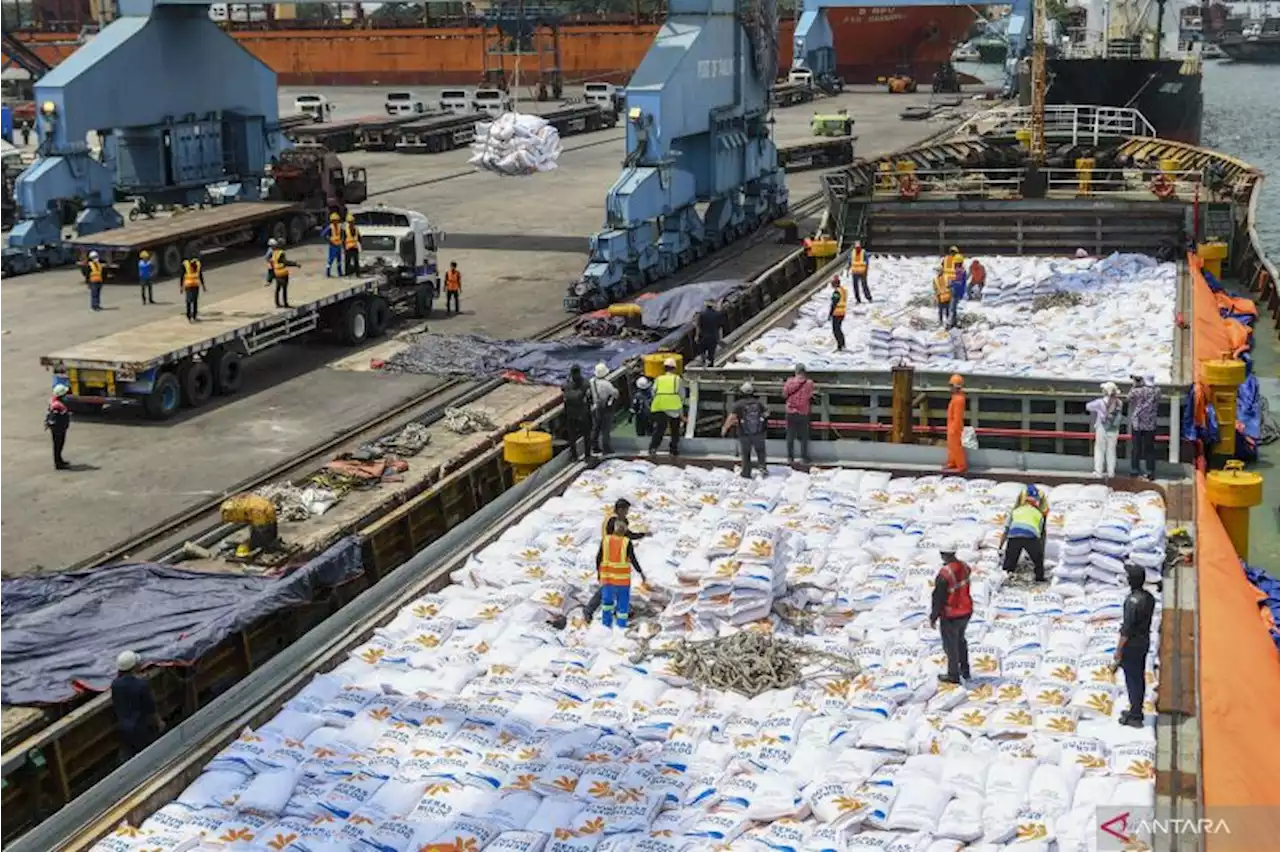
(1261, 50)
(870, 43)
(1172, 101)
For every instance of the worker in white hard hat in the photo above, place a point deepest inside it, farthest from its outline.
(137, 718)
(641, 399)
(146, 272)
(1108, 412)
(604, 401)
(278, 272)
(57, 419)
(667, 407)
(94, 275)
(751, 417)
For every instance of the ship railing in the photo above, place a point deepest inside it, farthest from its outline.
(925, 184)
(1082, 124)
(1132, 184)
(1129, 184)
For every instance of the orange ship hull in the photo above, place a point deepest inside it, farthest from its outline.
(870, 42)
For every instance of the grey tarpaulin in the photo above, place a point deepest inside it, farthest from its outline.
(546, 363)
(678, 306)
(62, 632)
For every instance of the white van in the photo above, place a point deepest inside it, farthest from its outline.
(404, 103)
(457, 101)
(316, 106)
(604, 95)
(492, 101)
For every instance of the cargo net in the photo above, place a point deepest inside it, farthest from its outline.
(516, 145)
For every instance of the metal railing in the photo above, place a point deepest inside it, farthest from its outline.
(1080, 124)
(949, 183)
(1007, 183)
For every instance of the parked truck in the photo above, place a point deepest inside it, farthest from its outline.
(165, 365)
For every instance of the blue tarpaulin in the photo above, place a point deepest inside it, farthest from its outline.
(62, 632)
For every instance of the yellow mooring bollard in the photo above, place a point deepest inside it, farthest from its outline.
(526, 451)
(1223, 378)
(1233, 491)
(1213, 253)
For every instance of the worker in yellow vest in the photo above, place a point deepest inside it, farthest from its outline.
(667, 407)
(942, 295)
(951, 263)
(278, 272)
(93, 276)
(858, 273)
(839, 304)
(333, 234)
(351, 245)
(192, 284)
(614, 561)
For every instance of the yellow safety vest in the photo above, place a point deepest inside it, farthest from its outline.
(95, 272)
(842, 303)
(335, 234)
(352, 235)
(666, 394)
(951, 264)
(615, 567)
(941, 289)
(190, 274)
(858, 262)
(277, 264)
(1027, 517)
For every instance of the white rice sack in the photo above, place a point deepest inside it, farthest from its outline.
(918, 805)
(961, 819)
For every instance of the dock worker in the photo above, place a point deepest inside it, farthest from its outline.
(577, 411)
(333, 233)
(278, 266)
(952, 263)
(958, 282)
(94, 276)
(614, 561)
(952, 607)
(1107, 411)
(146, 271)
(858, 273)
(1144, 404)
(1024, 533)
(839, 304)
(977, 280)
(1134, 643)
(751, 417)
(798, 392)
(1034, 496)
(667, 408)
(942, 296)
(453, 288)
(191, 285)
(137, 718)
(706, 332)
(621, 509)
(641, 399)
(57, 419)
(351, 245)
(956, 460)
(603, 396)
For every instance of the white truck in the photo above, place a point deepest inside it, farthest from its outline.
(399, 246)
(493, 102)
(457, 101)
(316, 106)
(604, 95)
(404, 103)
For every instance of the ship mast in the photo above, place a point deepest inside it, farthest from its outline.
(1038, 82)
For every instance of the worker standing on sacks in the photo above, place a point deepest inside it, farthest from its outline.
(957, 462)
(951, 611)
(839, 304)
(620, 510)
(858, 273)
(667, 408)
(614, 561)
(333, 234)
(1024, 533)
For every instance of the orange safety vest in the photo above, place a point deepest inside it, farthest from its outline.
(278, 269)
(335, 234)
(352, 234)
(453, 281)
(841, 303)
(977, 274)
(858, 262)
(615, 567)
(95, 272)
(959, 601)
(190, 274)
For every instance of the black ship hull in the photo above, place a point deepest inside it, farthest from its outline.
(1260, 49)
(1172, 101)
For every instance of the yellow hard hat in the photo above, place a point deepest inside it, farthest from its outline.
(144, 254)
(351, 217)
(333, 217)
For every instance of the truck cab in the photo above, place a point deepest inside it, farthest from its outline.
(492, 102)
(316, 106)
(399, 244)
(604, 95)
(801, 77)
(404, 103)
(457, 101)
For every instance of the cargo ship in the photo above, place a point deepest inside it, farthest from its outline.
(1257, 42)
(870, 43)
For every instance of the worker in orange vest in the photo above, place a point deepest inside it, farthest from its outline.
(192, 284)
(858, 272)
(839, 302)
(614, 561)
(953, 606)
(94, 276)
(956, 461)
(351, 245)
(453, 288)
(333, 234)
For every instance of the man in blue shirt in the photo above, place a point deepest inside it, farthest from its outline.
(146, 269)
(137, 719)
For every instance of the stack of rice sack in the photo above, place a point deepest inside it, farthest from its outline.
(1122, 325)
(466, 722)
(516, 144)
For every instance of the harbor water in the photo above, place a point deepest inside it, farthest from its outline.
(1239, 119)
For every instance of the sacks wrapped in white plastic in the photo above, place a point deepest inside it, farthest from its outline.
(516, 144)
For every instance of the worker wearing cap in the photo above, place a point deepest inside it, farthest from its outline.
(1144, 405)
(137, 718)
(1024, 533)
(57, 419)
(951, 611)
(333, 233)
(191, 285)
(614, 561)
(667, 407)
(751, 416)
(1033, 495)
(839, 304)
(956, 461)
(146, 271)
(94, 275)
(453, 288)
(278, 271)
(351, 245)
(603, 397)
(858, 272)
(952, 263)
(641, 399)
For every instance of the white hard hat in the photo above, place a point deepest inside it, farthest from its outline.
(1081, 253)
(127, 661)
(61, 390)
(747, 387)
(602, 370)
(670, 362)
(93, 255)
(642, 382)
(272, 242)
(1109, 388)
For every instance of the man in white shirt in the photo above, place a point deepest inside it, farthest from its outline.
(603, 397)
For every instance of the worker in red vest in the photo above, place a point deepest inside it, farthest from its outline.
(952, 606)
(858, 273)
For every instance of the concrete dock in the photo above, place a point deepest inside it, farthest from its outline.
(517, 241)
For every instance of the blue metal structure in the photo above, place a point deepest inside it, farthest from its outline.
(698, 132)
(176, 103)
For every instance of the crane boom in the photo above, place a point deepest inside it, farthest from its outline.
(1038, 81)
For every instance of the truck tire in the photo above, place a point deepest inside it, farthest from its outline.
(379, 314)
(170, 260)
(278, 231)
(424, 301)
(354, 328)
(165, 398)
(297, 230)
(197, 383)
(228, 371)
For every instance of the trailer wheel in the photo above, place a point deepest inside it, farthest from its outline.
(355, 323)
(197, 383)
(278, 231)
(165, 398)
(170, 260)
(379, 314)
(228, 371)
(423, 301)
(297, 230)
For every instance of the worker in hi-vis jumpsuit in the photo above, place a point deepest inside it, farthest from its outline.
(956, 461)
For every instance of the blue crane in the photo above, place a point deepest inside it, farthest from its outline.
(698, 133)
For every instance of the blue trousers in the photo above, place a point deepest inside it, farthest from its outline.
(335, 259)
(95, 296)
(615, 605)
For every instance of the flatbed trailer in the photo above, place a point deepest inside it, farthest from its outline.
(790, 94)
(583, 118)
(349, 133)
(825, 153)
(440, 133)
(379, 132)
(171, 363)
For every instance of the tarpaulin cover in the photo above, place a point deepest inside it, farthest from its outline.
(63, 632)
(678, 306)
(479, 357)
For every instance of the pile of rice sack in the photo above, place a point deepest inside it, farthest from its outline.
(466, 722)
(1123, 325)
(515, 144)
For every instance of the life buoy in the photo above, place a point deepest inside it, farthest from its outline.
(1162, 187)
(908, 187)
